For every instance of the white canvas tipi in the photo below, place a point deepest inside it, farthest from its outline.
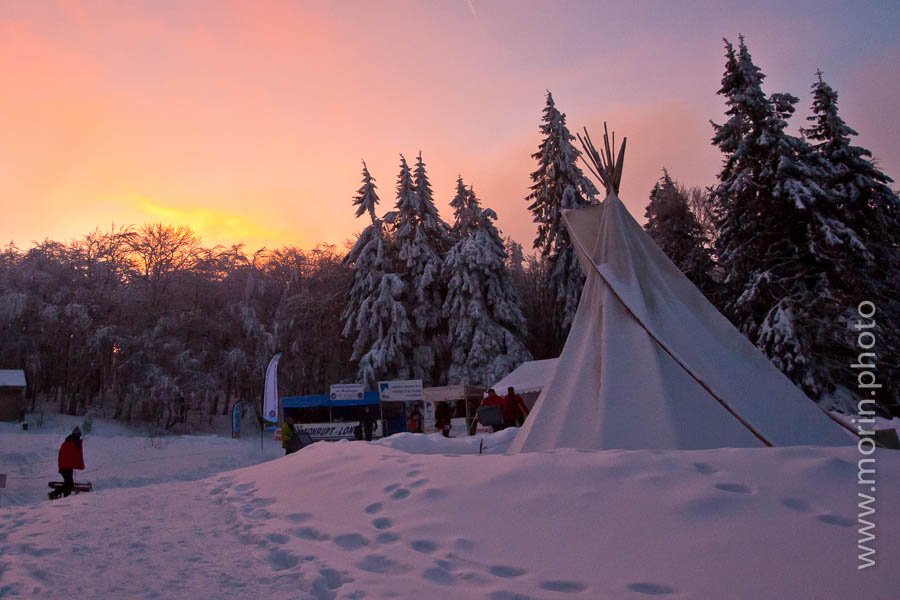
(649, 363)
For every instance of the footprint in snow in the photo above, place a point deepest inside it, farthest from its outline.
(382, 523)
(351, 541)
(503, 595)
(400, 494)
(280, 559)
(375, 563)
(243, 487)
(704, 468)
(424, 546)
(439, 576)
(278, 538)
(374, 508)
(21, 522)
(251, 512)
(413, 473)
(262, 501)
(418, 483)
(651, 589)
(475, 579)
(32, 551)
(320, 591)
(308, 533)
(797, 504)
(716, 505)
(566, 587)
(735, 488)
(839, 466)
(506, 572)
(391, 488)
(836, 520)
(387, 537)
(333, 578)
(298, 517)
(464, 544)
(447, 565)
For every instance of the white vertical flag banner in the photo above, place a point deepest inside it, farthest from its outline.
(270, 397)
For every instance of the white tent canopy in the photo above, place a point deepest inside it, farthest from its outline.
(650, 364)
(530, 376)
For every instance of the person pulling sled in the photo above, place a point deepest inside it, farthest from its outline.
(71, 457)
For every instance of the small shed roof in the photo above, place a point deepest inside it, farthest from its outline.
(528, 377)
(12, 378)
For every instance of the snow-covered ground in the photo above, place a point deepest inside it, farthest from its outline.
(419, 516)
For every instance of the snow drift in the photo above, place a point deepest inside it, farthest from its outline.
(416, 516)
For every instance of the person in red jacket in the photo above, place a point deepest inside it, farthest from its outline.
(515, 410)
(71, 457)
(492, 399)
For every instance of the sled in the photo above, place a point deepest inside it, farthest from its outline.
(490, 415)
(79, 487)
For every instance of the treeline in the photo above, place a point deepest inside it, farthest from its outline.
(141, 323)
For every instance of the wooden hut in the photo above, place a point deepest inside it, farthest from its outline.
(12, 394)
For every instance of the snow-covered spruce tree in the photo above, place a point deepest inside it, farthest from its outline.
(558, 184)
(388, 357)
(515, 262)
(676, 231)
(438, 228)
(462, 211)
(782, 246)
(482, 308)
(420, 235)
(375, 311)
(861, 189)
(872, 210)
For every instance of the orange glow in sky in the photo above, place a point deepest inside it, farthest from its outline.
(248, 120)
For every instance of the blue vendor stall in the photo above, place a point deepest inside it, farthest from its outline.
(327, 419)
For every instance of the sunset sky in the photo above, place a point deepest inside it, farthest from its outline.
(248, 120)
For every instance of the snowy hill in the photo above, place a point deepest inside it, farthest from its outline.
(426, 517)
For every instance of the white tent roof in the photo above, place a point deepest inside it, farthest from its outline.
(530, 376)
(650, 363)
(12, 378)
